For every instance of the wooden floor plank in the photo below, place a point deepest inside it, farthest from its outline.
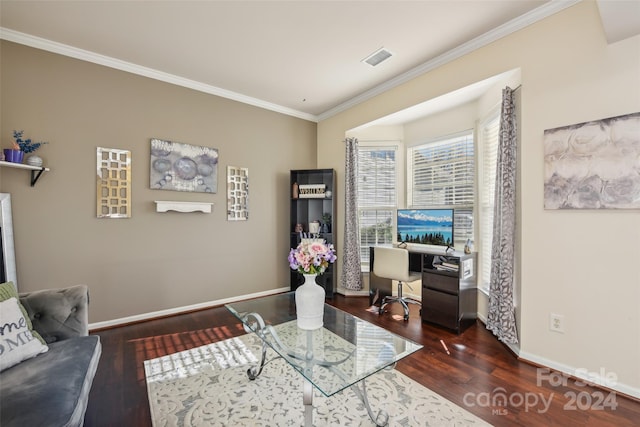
(475, 372)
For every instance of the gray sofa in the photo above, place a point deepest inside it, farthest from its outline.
(52, 389)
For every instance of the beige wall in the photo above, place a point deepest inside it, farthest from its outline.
(152, 261)
(442, 124)
(580, 264)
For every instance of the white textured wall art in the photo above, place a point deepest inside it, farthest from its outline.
(593, 165)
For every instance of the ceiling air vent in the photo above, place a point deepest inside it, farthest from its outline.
(377, 57)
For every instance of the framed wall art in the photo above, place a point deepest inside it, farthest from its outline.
(593, 165)
(8, 272)
(183, 167)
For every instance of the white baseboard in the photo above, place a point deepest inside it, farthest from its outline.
(588, 377)
(177, 310)
(365, 293)
(351, 293)
(580, 373)
(412, 295)
(482, 318)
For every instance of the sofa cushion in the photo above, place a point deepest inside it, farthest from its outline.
(8, 290)
(58, 314)
(52, 388)
(17, 342)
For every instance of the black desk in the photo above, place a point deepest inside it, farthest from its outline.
(449, 297)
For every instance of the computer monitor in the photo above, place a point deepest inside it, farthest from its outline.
(425, 226)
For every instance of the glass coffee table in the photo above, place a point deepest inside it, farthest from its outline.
(339, 355)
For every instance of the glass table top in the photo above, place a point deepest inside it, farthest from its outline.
(343, 352)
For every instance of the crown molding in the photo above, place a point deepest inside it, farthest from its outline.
(544, 11)
(531, 17)
(107, 61)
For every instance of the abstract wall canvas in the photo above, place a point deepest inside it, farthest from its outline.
(593, 165)
(183, 167)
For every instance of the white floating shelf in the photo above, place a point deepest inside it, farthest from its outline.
(36, 171)
(164, 206)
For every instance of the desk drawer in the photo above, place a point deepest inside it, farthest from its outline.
(440, 308)
(440, 282)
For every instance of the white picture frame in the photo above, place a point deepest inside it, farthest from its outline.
(9, 273)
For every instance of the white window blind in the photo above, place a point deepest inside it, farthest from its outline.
(377, 197)
(441, 174)
(490, 130)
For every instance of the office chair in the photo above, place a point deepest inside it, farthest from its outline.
(393, 263)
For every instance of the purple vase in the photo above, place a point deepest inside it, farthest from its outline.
(13, 156)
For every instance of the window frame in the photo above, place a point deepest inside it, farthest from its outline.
(487, 158)
(380, 145)
(460, 237)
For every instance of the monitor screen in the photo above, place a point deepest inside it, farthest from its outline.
(425, 226)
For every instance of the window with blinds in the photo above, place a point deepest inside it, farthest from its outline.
(489, 137)
(377, 197)
(441, 174)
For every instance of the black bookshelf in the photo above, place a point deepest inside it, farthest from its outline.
(305, 210)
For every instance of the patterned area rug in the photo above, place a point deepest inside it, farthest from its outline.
(208, 386)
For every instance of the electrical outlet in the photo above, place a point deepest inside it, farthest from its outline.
(556, 323)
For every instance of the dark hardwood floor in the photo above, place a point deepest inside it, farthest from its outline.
(477, 373)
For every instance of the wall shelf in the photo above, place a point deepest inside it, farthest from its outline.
(164, 206)
(36, 171)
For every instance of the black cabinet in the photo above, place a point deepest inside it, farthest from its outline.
(449, 292)
(312, 199)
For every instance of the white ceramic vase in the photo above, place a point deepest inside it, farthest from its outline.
(310, 303)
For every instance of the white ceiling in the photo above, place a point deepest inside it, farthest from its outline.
(620, 19)
(301, 58)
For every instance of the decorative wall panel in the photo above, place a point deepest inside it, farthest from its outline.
(113, 183)
(237, 193)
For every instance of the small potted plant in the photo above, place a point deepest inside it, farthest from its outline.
(21, 146)
(326, 222)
